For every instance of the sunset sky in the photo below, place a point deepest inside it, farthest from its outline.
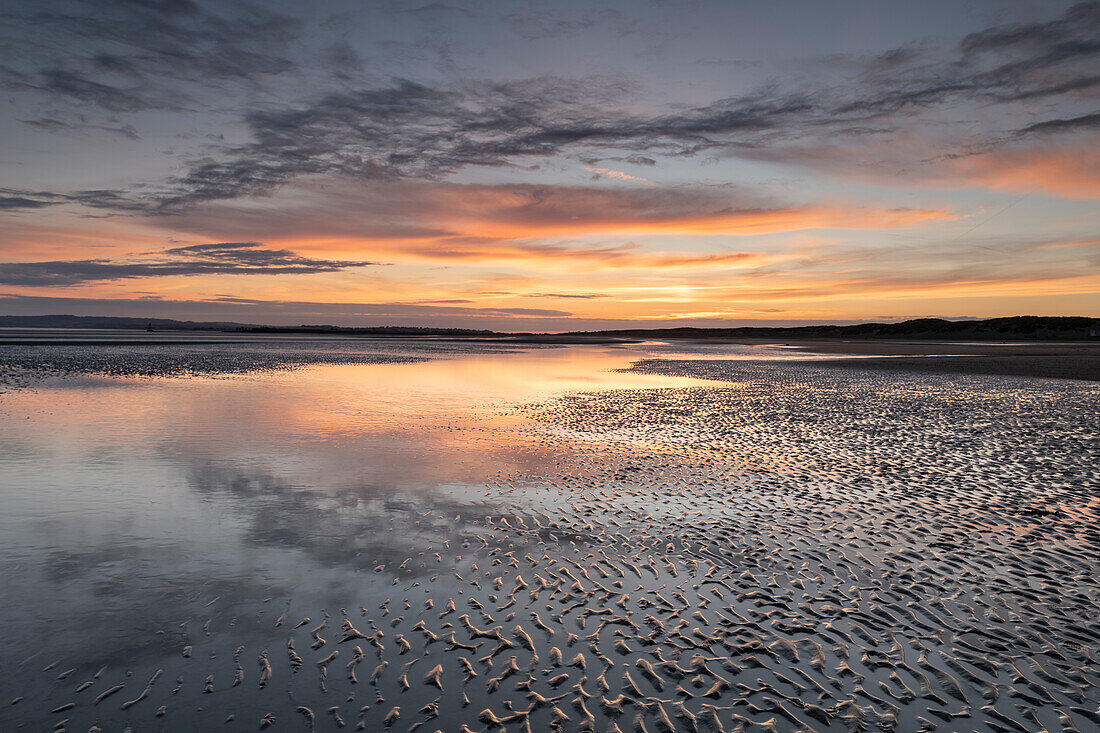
(549, 165)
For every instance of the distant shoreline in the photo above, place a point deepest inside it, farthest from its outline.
(1061, 359)
(1014, 328)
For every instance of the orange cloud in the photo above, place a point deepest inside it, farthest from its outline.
(1068, 167)
(73, 237)
(511, 223)
(644, 253)
(828, 285)
(742, 222)
(571, 257)
(1070, 172)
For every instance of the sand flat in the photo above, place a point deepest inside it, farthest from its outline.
(1056, 360)
(574, 538)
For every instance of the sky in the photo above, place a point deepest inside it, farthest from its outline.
(549, 166)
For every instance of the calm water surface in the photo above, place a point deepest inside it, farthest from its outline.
(128, 503)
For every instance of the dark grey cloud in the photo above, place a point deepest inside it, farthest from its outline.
(132, 55)
(81, 88)
(115, 201)
(1061, 32)
(411, 130)
(54, 124)
(14, 199)
(223, 258)
(414, 130)
(405, 130)
(252, 255)
(12, 203)
(129, 55)
(1004, 64)
(1072, 124)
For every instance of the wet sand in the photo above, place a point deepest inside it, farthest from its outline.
(563, 539)
(1068, 360)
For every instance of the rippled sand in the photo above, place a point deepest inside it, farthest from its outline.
(573, 539)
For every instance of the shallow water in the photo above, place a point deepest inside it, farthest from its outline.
(822, 549)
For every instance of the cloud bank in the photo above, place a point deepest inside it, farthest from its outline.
(222, 258)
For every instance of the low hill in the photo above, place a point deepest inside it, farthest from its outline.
(168, 324)
(160, 324)
(1052, 328)
(1015, 328)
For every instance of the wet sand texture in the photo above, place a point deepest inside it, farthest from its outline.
(802, 549)
(1048, 360)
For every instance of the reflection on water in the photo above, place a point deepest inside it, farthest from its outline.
(816, 543)
(127, 500)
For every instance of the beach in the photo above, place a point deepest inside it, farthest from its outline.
(404, 535)
(1065, 360)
